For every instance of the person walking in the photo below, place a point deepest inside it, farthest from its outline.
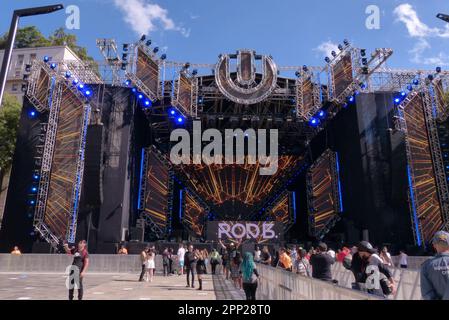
(200, 267)
(235, 271)
(257, 253)
(180, 254)
(190, 260)
(214, 260)
(81, 262)
(206, 259)
(435, 271)
(386, 257)
(170, 261)
(143, 259)
(150, 265)
(403, 259)
(250, 276)
(165, 262)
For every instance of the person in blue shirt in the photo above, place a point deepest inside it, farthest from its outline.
(435, 271)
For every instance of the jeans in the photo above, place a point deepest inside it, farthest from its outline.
(190, 269)
(250, 290)
(80, 291)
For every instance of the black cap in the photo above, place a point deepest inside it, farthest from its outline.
(365, 246)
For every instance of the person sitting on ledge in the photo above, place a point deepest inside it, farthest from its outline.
(16, 251)
(123, 250)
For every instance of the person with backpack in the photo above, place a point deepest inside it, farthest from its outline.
(250, 276)
(321, 263)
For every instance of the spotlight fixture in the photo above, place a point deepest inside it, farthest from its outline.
(124, 64)
(334, 54)
(186, 65)
(415, 82)
(314, 122)
(430, 77)
(340, 47)
(134, 90)
(156, 49)
(363, 52)
(438, 69)
(32, 113)
(147, 103)
(180, 120)
(327, 59)
(304, 68)
(194, 72)
(75, 82)
(365, 61)
(143, 37)
(46, 59)
(163, 56)
(140, 96)
(68, 74)
(125, 47)
(297, 74)
(53, 65)
(124, 56)
(127, 82)
(346, 42)
(148, 43)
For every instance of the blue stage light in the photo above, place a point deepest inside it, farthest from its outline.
(314, 122)
(410, 87)
(163, 56)
(403, 94)
(180, 120)
(68, 74)
(75, 82)
(147, 103)
(134, 90)
(397, 100)
(32, 202)
(140, 96)
(172, 112)
(351, 99)
(322, 114)
(46, 59)
(33, 189)
(35, 176)
(87, 93)
(438, 69)
(127, 82)
(53, 65)
(80, 86)
(416, 82)
(32, 113)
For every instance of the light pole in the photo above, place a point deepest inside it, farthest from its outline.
(443, 17)
(12, 36)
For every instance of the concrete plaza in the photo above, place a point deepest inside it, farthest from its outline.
(123, 286)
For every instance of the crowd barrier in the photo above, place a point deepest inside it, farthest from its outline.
(277, 284)
(407, 281)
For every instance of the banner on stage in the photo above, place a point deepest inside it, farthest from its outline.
(258, 231)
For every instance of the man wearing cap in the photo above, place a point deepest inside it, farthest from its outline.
(435, 271)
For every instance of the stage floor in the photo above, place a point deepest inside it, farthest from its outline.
(100, 286)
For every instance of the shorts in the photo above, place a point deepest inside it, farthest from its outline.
(181, 263)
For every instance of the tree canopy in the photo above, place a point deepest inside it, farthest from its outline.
(9, 123)
(31, 37)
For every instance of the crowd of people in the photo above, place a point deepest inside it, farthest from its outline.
(316, 262)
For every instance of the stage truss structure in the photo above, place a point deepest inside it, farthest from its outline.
(155, 200)
(324, 197)
(282, 209)
(428, 191)
(62, 162)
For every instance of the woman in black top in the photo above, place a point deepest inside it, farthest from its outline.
(200, 267)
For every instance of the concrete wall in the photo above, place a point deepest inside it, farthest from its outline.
(101, 263)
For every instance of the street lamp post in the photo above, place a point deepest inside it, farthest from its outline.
(12, 36)
(443, 17)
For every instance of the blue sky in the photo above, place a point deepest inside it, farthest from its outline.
(294, 32)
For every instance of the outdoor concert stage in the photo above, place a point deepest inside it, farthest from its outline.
(363, 151)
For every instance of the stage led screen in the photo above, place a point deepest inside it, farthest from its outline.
(183, 94)
(323, 194)
(63, 177)
(342, 74)
(157, 193)
(235, 191)
(306, 97)
(241, 231)
(194, 214)
(424, 201)
(147, 70)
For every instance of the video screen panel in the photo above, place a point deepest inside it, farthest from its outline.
(323, 194)
(63, 177)
(157, 192)
(342, 74)
(183, 96)
(426, 212)
(194, 214)
(147, 70)
(280, 212)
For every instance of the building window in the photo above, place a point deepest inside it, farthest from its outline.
(32, 57)
(19, 62)
(14, 87)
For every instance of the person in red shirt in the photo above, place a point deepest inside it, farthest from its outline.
(342, 254)
(80, 261)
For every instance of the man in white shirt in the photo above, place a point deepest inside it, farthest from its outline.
(180, 254)
(257, 253)
(331, 253)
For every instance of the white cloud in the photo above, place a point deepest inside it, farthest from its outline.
(415, 27)
(418, 29)
(417, 55)
(144, 17)
(326, 48)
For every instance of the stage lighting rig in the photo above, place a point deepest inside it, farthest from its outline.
(443, 17)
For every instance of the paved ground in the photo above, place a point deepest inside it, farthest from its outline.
(51, 286)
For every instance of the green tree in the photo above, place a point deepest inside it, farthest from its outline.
(9, 123)
(27, 37)
(61, 38)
